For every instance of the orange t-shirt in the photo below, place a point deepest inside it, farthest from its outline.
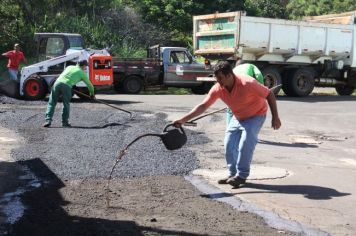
(247, 98)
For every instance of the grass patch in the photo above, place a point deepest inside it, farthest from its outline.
(168, 91)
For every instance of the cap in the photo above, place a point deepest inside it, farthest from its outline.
(83, 63)
(17, 45)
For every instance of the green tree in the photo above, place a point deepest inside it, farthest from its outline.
(265, 8)
(296, 9)
(175, 16)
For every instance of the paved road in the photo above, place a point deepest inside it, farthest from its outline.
(303, 172)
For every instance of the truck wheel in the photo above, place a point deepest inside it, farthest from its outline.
(133, 85)
(300, 82)
(272, 78)
(344, 90)
(34, 88)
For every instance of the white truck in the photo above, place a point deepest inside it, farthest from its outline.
(318, 51)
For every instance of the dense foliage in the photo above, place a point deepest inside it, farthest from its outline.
(128, 26)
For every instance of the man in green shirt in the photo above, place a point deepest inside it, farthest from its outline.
(245, 69)
(63, 86)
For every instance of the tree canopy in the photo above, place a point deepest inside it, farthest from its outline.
(128, 26)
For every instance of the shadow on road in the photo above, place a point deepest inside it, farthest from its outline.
(318, 98)
(116, 102)
(308, 191)
(44, 214)
(218, 195)
(297, 145)
(111, 124)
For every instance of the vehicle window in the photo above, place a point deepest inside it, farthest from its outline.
(42, 49)
(179, 57)
(76, 42)
(55, 47)
(173, 58)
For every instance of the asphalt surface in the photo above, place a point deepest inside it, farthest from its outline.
(298, 174)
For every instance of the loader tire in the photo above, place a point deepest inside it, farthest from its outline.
(34, 88)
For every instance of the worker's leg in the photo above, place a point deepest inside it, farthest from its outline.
(232, 139)
(66, 97)
(13, 74)
(52, 102)
(247, 143)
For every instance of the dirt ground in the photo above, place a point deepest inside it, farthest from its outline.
(164, 205)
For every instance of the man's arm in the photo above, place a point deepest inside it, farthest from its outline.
(25, 61)
(88, 83)
(276, 123)
(196, 111)
(5, 54)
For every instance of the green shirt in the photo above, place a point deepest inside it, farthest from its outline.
(251, 70)
(74, 74)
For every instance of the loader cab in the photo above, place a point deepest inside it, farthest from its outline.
(50, 45)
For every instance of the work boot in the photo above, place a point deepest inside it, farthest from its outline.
(47, 124)
(236, 181)
(224, 180)
(66, 125)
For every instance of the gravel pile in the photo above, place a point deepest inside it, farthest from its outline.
(89, 148)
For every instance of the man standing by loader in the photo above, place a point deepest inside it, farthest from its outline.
(63, 86)
(15, 57)
(247, 100)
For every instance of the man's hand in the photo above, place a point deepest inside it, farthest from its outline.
(178, 123)
(276, 122)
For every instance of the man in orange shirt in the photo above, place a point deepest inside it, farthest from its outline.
(15, 57)
(247, 100)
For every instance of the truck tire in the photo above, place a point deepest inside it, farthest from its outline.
(299, 83)
(272, 78)
(132, 85)
(344, 90)
(34, 88)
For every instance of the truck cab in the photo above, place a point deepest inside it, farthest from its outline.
(164, 66)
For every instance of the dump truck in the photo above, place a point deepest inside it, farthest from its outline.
(316, 51)
(163, 67)
(54, 52)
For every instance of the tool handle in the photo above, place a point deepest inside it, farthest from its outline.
(171, 124)
(97, 100)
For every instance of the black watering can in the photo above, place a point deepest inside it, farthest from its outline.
(173, 138)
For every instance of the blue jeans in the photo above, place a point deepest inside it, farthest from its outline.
(13, 74)
(240, 141)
